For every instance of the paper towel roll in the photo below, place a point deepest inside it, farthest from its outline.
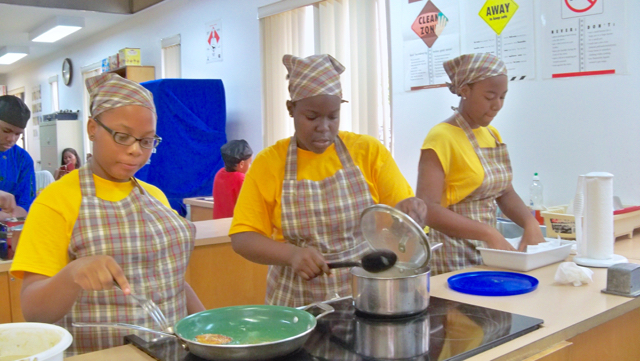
(598, 215)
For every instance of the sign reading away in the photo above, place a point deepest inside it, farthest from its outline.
(497, 13)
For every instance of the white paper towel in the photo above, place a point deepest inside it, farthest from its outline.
(598, 215)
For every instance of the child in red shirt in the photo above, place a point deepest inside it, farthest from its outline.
(237, 156)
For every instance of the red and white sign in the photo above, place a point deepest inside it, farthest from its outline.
(576, 8)
(584, 38)
(213, 33)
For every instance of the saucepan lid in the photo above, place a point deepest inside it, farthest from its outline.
(385, 227)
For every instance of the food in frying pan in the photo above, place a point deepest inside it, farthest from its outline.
(213, 339)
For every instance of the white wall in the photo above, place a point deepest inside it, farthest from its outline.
(239, 70)
(560, 128)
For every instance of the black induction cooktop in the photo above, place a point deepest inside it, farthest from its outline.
(447, 330)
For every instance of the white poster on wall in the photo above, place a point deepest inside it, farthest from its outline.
(503, 28)
(213, 36)
(583, 37)
(431, 35)
(36, 104)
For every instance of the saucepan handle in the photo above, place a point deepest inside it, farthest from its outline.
(436, 246)
(343, 264)
(120, 325)
(326, 309)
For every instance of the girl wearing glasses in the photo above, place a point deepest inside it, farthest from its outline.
(101, 226)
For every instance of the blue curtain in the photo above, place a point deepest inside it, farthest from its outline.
(191, 121)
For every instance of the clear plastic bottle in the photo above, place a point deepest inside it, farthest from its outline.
(535, 198)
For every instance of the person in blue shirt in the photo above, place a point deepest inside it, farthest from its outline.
(17, 174)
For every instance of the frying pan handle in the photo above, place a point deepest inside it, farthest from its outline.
(327, 309)
(122, 326)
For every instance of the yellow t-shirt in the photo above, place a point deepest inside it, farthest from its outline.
(259, 205)
(463, 172)
(46, 234)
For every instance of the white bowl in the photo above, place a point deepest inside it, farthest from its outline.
(521, 261)
(31, 341)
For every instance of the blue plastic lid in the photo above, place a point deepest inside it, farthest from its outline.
(493, 283)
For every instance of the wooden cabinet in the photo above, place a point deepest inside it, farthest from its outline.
(612, 340)
(616, 339)
(10, 310)
(220, 277)
(558, 352)
(5, 299)
(138, 74)
(201, 208)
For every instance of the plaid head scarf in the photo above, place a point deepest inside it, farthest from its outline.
(109, 91)
(313, 75)
(472, 68)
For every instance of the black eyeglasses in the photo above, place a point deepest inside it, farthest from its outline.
(128, 139)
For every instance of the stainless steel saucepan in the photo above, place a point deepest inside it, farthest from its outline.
(403, 289)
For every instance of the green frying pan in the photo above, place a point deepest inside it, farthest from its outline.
(259, 332)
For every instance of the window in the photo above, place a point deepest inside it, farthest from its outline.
(53, 84)
(87, 72)
(171, 60)
(352, 31)
(22, 142)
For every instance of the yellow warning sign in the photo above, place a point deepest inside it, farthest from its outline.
(497, 13)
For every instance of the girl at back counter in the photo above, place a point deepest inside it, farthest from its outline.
(465, 171)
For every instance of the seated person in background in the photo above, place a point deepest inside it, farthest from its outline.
(17, 174)
(237, 155)
(70, 161)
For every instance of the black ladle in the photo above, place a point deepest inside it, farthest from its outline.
(376, 261)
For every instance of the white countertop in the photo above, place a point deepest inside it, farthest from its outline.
(566, 310)
(205, 202)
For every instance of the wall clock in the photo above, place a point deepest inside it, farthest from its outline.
(67, 71)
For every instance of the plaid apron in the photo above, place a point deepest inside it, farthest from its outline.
(480, 205)
(152, 245)
(324, 215)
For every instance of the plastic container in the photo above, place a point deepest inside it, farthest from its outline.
(560, 223)
(536, 198)
(10, 230)
(521, 261)
(31, 341)
(129, 56)
(4, 244)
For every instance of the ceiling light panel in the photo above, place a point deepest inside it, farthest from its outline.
(56, 28)
(11, 54)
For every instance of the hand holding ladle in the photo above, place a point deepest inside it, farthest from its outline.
(376, 261)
